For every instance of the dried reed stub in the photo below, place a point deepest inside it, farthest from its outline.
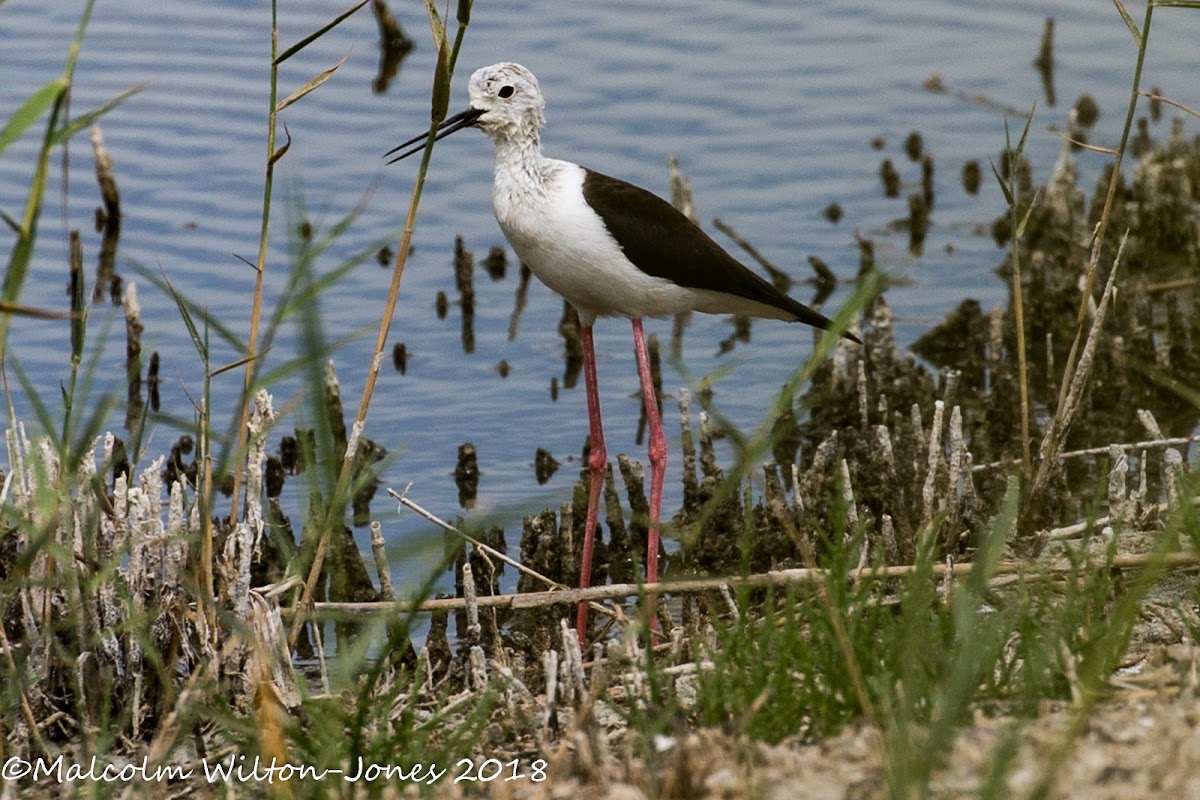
(548, 546)
(384, 255)
(1157, 206)
(153, 382)
(466, 475)
(544, 465)
(135, 405)
(108, 221)
(133, 556)
(496, 263)
(476, 574)
(914, 146)
(971, 177)
(918, 224)
(890, 178)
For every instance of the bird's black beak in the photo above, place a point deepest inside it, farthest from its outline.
(459, 121)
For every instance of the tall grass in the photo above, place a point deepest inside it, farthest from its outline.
(137, 626)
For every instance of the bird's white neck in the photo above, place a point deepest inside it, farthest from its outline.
(519, 160)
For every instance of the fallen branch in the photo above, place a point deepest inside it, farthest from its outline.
(1180, 441)
(783, 577)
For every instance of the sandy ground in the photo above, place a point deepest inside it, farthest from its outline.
(1144, 741)
(1140, 740)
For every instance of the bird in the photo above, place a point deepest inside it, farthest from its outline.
(610, 249)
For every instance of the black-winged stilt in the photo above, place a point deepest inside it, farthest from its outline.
(612, 250)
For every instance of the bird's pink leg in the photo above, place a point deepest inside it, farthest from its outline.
(597, 463)
(657, 454)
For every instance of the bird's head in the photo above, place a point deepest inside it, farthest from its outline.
(508, 99)
(506, 104)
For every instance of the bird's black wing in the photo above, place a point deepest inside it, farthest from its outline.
(662, 242)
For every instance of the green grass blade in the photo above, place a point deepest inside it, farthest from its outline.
(310, 85)
(47, 421)
(31, 111)
(317, 34)
(22, 252)
(1129, 23)
(191, 310)
(85, 120)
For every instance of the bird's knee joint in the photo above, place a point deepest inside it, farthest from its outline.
(597, 460)
(657, 453)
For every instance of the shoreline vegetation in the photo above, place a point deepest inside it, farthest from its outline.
(973, 573)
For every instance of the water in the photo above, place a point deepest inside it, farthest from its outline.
(769, 107)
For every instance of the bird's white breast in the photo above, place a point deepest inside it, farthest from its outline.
(564, 243)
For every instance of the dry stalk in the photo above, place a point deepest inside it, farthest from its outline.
(470, 597)
(776, 578)
(1068, 406)
(784, 515)
(933, 464)
(379, 551)
(485, 549)
(1181, 441)
(550, 668)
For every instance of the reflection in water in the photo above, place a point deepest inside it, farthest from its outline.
(496, 263)
(890, 178)
(394, 45)
(466, 475)
(824, 282)
(544, 465)
(971, 177)
(568, 328)
(927, 181)
(918, 224)
(1045, 62)
(519, 303)
(152, 382)
(400, 357)
(681, 198)
(464, 281)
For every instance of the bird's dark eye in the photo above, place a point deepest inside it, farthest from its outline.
(506, 92)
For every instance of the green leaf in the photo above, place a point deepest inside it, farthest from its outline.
(1008, 196)
(441, 88)
(317, 34)
(1028, 212)
(1129, 23)
(436, 24)
(1025, 133)
(190, 310)
(312, 84)
(31, 111)
(85, 120)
